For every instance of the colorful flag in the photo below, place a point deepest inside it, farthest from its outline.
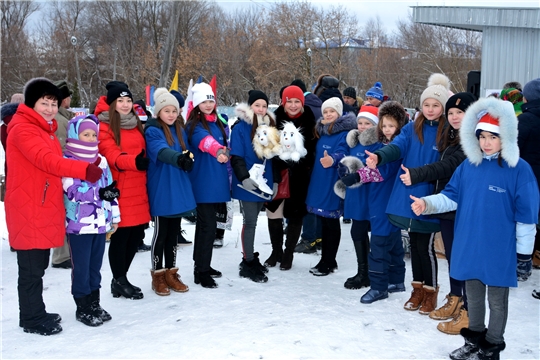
(213, 85)
(189, 101)
(174, 84)
(147, 94)
(199, 79)
(152, 89)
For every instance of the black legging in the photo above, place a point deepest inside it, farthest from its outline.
(124, 244)
(331, 236)
(164, 241)
(205, 234)
(423, 258)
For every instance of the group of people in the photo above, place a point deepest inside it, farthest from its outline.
(365, 161)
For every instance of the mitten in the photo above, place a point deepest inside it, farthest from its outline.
(249, 184)
(342, 170)
(225, 151)
(370, 175)
(351, 179)
(185, 161)
(141, 163)
(524, 267)
(109, 193)
(93, 171)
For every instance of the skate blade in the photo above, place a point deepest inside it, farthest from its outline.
(259, 194)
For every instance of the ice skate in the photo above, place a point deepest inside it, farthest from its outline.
(256, 174)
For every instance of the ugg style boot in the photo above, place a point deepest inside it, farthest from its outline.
(472, 338)
(361, 279)
(449, 309)
(250, 270)
(430, 300)
(489, 351)
(536, 259)
(84, 312)
(417, 296)
(159, 285)
(454, 326)
(275, 228)
(96, 307)
(173, 280)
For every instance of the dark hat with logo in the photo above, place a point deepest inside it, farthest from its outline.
(116, 89)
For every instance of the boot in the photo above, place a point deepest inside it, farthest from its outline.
(454, 326)
(430, 300)
(361, 279)
(172, 279)
(205, 278)
(249, 269)
(489, 351)
(293, 233)
(96, 307)
(448, 310)
(471, 347)
(84, 312)
(49, 316)
(275, 228)
(373, 295)
(122, 287)
(48, 327)
(159, 285)
(536, 259)
(417, 296)
(258, 264)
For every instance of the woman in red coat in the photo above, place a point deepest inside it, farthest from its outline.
(35, 215)
(121, 141)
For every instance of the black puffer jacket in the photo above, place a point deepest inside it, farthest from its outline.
(529, 135)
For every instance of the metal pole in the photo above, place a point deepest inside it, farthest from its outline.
(310, 66)
(114, 65)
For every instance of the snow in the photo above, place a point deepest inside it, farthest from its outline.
(295, 315)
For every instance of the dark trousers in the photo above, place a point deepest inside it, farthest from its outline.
(32, 265)
(423, 258)
(86, 258)
(457, 287)
(164, 242)
(123, 247)
(331, 236)
(360, 230)
(386, 265)
(311, 227)
(250, 212)
(205, 234)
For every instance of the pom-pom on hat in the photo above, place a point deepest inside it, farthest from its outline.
(162, 98)
(202, 92)
(460, 101)
(116, 89)
(350, 92)
(255, 95)
(179, 97)
(334, 103)
(292, 92)
(376, 92)
(37, 88)
(531, 90)
(394, 110)
(64, 89)
(369, 112)
(438, 88)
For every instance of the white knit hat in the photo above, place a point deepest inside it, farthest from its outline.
(162, 98)
(202, 92)
(334, 103)
(438, 89)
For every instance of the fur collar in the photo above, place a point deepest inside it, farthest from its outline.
(504, 111)
(346, 122)
(368, 137)
(244, 112)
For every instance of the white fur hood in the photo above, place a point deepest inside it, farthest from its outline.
(244, 112)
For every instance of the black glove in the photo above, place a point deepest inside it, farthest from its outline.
(351, 179)
(185, 161)
(109, 193)
(141, 163)
(524, 267)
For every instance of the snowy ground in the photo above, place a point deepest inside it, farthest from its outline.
(295, 315)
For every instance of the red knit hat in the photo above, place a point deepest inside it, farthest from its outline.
(292, 92)
(487, 123)
(369, 112)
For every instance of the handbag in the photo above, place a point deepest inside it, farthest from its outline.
(283, 191)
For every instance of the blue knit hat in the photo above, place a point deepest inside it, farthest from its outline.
(178, 97)
(376, 92)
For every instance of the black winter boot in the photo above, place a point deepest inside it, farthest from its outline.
(489, 351)
(84, 312)
(472, 338)
(361, 279)
(250, 270)
(206, 278)
(260, 266)
(122, 287)
(293, 234)
(275, 228)
(96, 307)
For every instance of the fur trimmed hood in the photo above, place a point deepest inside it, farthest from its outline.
(368, 137)
(346, 122)
(8, 110)
(244, 112)
(504, 112)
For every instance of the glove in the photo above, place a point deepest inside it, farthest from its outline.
(93, 171)
(185, 161)
(249, 184)
(274, 190)
(351, 179)
(109, 193)
(524, 267)
(141, 163)
(342, 170)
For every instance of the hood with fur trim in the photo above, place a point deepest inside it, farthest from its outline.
(8, 110)
(244, 112)
(343, 123)
(504, 112)
(366, 138)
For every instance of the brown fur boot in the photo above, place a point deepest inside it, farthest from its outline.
(158, 282)
(536, 259)
(430, 300)
(417, 296)
(448, 310)
(173, 280)
(454, 326)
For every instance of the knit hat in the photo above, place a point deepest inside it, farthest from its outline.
(255, 95)
(531, 90)
(300, 84)
(394, 110)
(459, 101)
(37, 88)
(438, 87)
(116, 89)
(64, 89)
(324, 82)
(78, 149)
(179, 97)
(376, 92)
(162, 98)
(514, 96)
(486, 122)
(202, 92)
(292, 92)
(350, 92)
(334, 103)
(369, 112)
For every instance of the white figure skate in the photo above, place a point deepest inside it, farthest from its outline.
(256, 174)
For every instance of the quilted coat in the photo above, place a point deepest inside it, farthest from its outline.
(35, 214)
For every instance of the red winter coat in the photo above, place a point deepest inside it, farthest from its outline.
(35, 214)
(133, 200)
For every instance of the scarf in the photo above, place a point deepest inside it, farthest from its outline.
(81, 150)
(127, 122)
